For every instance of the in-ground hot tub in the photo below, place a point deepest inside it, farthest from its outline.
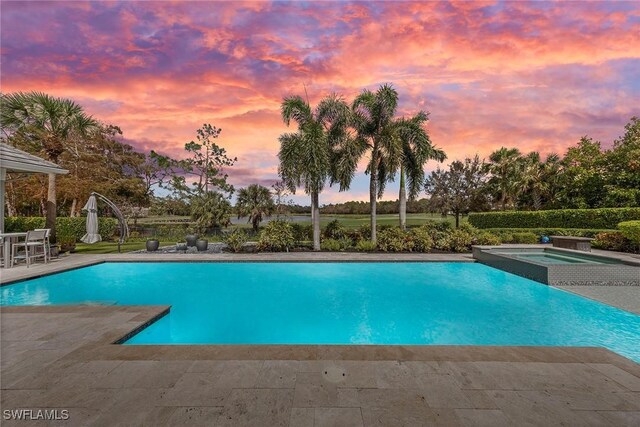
(560, 266)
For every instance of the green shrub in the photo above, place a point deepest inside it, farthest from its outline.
(366, 246)
(578, 232)
(302, 232)
(334, 230)
(422, 240)
(276, 236)
(613, 241)
(236, 240)
(525, 237)
(603, 218)
(393, 239)
(437, 225)
(365, 231)
(460, 240)
(65, 226)
(631, 230)
(486, 238)
(335, 244)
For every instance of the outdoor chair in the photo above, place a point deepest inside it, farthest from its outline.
(35, 239)
(46, 240)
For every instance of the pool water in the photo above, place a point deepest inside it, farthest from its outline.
(340, 303)
(549, 257)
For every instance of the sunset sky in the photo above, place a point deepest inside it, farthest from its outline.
(537, 76)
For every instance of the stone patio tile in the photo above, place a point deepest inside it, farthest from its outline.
(343, 417)
(482, 417)
(277, 374)
(312, 390)
(413, 417)
(129, 407)
(539, 408)
(144, 374)
(388, 398)
(257, 407)
(302, 417)
(480, 399)
(442, 391)
(194, 416)
(622, 418)
(14, 399)
(587, 400)
(629, 381)
(194, 389)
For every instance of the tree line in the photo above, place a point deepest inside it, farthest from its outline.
(587, 176)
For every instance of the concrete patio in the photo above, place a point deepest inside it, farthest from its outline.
(63, 357)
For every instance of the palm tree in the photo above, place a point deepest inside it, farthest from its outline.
(49, 123)
(316, 153)
(532, 178)
(373, 120)
(255, 202)
(417, 149)
(504, 169)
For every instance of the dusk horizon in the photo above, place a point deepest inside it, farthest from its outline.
(536, 76)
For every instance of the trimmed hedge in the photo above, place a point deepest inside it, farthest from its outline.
(603, 218)
(578, 232)
(65, 226)
(631, 230)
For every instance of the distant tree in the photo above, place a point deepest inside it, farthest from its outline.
(308, 156)
(417, 150)
(459, 190)
(583, 176)
(373, 114)
(205, 165)
(254, 202)
(48, 123)
(622, 165)
(282, 203)
(210, 210)
(504, 167)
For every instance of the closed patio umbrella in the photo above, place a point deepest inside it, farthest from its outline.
(92, 235)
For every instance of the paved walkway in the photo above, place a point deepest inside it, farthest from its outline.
(62, 357)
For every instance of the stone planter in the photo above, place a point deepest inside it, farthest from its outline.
(153, 245)
(181, 246)
(202, 245)
(191, 240)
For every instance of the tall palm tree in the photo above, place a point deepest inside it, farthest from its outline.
(315, 153)
(504, 170)
(417, 149)
(373, 114)
(48, 123)
(255, 202)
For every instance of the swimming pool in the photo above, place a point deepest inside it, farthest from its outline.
(340, 303)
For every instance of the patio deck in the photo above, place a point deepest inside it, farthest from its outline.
(62, 357)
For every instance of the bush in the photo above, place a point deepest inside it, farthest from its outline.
(613, 241)
(603, 218)
(366, 246)
(335, 244)
(578, 232)
(422, 240)
(524, 237)
(334, 230)
(486, 238)
(631, 230)
(394, 240)
(437, 225)
(277, 236)
(460, 240)
(302, 232)
(65, 226)
(236, 240)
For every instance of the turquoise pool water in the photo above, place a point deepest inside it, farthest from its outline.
(340, 303)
